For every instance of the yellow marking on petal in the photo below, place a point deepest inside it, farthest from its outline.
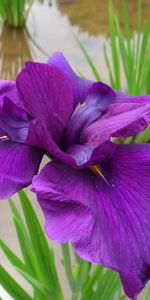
(80, 105)
(4, 137)
(97, 169)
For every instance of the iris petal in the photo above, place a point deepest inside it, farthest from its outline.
(80, 86)
(66, 216)
(77, 156)
(98, 98)
(118, 233)
(14, 121)
(19, 163)
(83, 116)
(126, 98)
(119, 120)
(47, 95)
(8, 88)
(100, 94)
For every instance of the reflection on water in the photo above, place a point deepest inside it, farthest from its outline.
(51, 25)
(14, 51)
(92, 15)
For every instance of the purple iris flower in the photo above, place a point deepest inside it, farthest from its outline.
(93, 192)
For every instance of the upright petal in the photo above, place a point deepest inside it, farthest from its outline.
(119, 120)
(80, 86)
(98, 98)
(19, 163)
(100, 94)
(47, 95)
(117, 235)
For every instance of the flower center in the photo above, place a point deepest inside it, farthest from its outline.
(97, 169)
(83, 116)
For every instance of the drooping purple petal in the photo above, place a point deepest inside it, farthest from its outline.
(47, 95)
(120, 120)
(38, 135)
(18, 164)
(80, 86)
(118, 233)
(65, 216)
(77, 156)
(14, 121)
(98, 98)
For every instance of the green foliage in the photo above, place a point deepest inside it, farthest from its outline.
(88, 281)
(130, 53)
(89, 60)
(129, 56)
(38, 264)
(12, 287)
(14, 12)
(38, 268)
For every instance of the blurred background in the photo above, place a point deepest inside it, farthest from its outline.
(50, 26)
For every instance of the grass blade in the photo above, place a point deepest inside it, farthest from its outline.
(82, 277)
(114, 47)
(44, 257)
(107, 287)
(143, 52)
(12, 287)
(89, 60)
(35, 283)
(14, 260)
(90, 284)
(67, 263)
(23, 238)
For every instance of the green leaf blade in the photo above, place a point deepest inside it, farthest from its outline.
(12, 287)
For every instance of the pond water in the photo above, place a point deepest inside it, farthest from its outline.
(50, 27)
